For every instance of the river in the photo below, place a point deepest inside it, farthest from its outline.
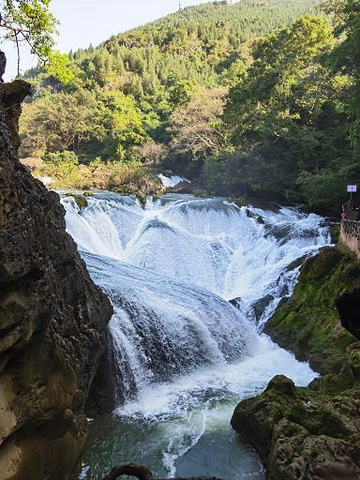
(182, 355)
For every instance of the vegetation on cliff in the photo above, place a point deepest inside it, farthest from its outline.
(308, 324)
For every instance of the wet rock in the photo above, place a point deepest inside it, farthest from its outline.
(80, 200)
(260, 306)
(236, 302)
(348, 305)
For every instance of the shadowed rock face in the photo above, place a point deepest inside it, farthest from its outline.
(348, 306)
(52, 321)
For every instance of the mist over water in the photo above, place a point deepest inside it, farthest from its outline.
(185, 356)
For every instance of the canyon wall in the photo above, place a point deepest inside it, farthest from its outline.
(52, 321)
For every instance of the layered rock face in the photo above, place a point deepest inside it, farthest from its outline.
(52, 321)
(313, 433)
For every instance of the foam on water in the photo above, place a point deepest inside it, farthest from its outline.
(184, 356)
(233, 252)
(172, 181)
(162, 328)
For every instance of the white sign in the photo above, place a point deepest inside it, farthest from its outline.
(351, 188)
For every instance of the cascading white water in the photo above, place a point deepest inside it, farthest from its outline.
(184, 355)
(233, 252)
(172, 181)
(162, 327)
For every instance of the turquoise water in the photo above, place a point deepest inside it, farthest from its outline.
(182, 428)
(219, 451)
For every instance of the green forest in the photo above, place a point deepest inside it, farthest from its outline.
(258, 99)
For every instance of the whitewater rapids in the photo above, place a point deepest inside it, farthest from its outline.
(183, 356)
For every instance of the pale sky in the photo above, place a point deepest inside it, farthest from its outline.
(89, 21)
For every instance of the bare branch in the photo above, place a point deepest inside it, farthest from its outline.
(15, 30)
(18, 54)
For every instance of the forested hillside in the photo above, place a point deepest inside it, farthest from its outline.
(153, 98)
(294, 118)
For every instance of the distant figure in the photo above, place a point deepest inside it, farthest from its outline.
(343, 215)
(2, 65)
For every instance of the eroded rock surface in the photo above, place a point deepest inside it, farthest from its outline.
(52, 321)
(301, 435)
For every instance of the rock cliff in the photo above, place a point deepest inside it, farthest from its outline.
(52, 321)
(308, 324)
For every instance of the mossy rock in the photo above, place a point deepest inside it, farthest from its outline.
(80, 200)
(142, 198)
(308, 324)
(282, 385)
(300, 433)
(334, 229)
(312, 433)
(239, 201)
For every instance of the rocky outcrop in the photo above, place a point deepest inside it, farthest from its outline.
(308, 324)
(348, 305)
(313, 433)
(52, 321)
(301, 435)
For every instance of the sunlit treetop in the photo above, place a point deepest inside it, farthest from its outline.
(30, 22)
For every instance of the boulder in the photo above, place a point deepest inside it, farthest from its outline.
(301, 434)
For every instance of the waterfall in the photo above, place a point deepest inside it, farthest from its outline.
(246, 253)
(192, 282)
(162, 327)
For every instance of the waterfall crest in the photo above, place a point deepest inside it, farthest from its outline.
(236, 253)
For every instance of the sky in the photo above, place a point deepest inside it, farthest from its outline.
(85, 22)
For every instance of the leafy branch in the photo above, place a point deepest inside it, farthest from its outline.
(31, 22)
